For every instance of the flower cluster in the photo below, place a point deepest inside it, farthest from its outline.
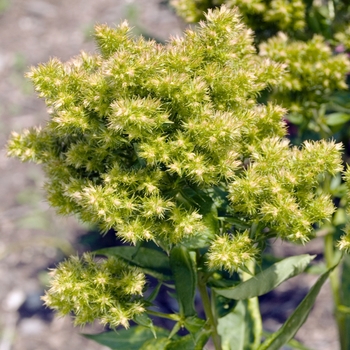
(134, 126)
(305, 36)
(108, 290)
(231, 252)
(313, 72)
(278, 190)
(258, 14)
(135, 129)
(343, 37)
(344, 242)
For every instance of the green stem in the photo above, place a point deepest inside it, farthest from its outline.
(334, 279)
(208, 310)
(254, 309)
(173, 317)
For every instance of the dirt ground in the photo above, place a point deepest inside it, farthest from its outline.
(32, 237)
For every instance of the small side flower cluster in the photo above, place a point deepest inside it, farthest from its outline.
(279, 189)
(230, 252)
(108, 290)
(313, 72)
(344, 242)
(193, 10)
(343, 37)
(258, 14)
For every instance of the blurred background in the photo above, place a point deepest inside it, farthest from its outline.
(32, 236)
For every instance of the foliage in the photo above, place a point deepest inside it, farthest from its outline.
(167, 143)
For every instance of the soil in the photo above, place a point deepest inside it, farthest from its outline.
(33, 237)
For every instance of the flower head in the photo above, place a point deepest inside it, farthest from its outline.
(108, 290)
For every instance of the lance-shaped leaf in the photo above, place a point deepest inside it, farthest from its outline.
(127, 339)
(298, 317)
(337, 119)
(237, 329)
(185, 276)
(151, 261)
(268, 279)
(145, 321)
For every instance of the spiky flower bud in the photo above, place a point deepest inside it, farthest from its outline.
(231, 251)
(107, 290)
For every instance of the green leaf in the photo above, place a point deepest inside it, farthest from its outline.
(175, 329)
(223, 306)
(155, 344)
(144, 320)
(268, 279)
(185, 276)
(316, 269)
(190, 341)
(235, 222)
(340, 217)
(198, 241)
(194, 324)
(295, 118)
(337, 119)
(340, 101)
(237, 329)
(292, 343)
(127, 339)
(204, 203)
(297, 319)
(222, 279)
(154, 293)
(151, 261)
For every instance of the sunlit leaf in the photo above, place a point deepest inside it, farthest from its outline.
(298, 317)
(236, 329)
(337, 119)
(268, 279)
(185, 276)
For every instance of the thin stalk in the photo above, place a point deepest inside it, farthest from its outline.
(334, 280)
(163, 315)
(254, 309)
(208, 310)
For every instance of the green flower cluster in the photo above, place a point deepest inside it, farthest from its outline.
(302, 36)
(279, 189)
(108, 290)
(343, 37)
(280, 14)
(313, 73)
(230, 252)
(138, 127)
(344, 242)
